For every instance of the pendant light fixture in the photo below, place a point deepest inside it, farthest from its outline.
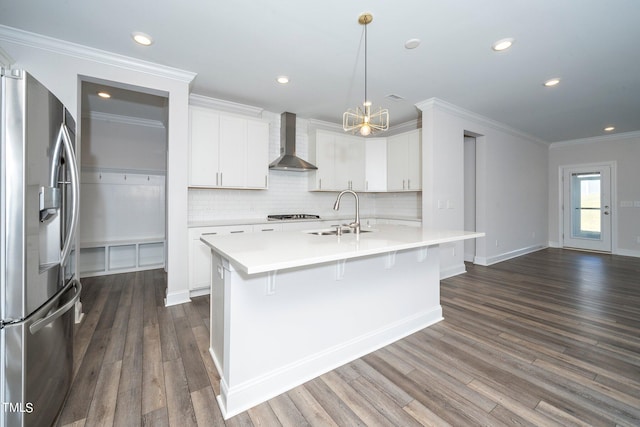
(361, 120)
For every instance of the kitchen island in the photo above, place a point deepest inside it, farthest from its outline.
(289, 306)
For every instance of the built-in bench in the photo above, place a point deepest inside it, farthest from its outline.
(121, 256)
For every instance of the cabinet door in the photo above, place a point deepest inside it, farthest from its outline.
(325, 157)
(397, 162)
(204, 144)
(233, 151)
(414, 161)
(341, 173)
(257, 154)
(199, 261)
(356, 159)
(376, 164)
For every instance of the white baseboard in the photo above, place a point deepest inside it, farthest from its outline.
(453, 270)
(175, 298)
(508, 255)
(627, 252)
(199, 292)
(554, 244)
(244, 396)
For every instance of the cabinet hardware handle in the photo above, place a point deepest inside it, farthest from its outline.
(217, 182)
(266, 184)
(320, 184)
(220, 179)
(403, 184)
(237, 231)
(408, 184)
(209, 234)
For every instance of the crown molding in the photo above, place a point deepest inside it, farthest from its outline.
(223, 105)
(49, 44)
(5, 59)
(321, 124)
(127, 120)
(616, 137)
(469, 115)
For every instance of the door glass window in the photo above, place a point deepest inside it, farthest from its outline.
(586, 205)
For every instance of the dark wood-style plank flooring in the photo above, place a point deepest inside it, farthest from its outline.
(550, 338)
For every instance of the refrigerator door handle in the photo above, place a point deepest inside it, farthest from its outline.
(44, 321)
(70, 158)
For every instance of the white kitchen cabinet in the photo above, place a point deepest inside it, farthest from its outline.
(227, 151)
(350, 162)
(376, 164)
(204, 147)
(340, 160)
(322, 154)
(403, 162)
(263, 228)
(200, 255)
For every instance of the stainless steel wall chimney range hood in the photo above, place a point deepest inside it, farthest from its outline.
(288, 161)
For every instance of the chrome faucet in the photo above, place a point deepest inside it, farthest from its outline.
(355, 225)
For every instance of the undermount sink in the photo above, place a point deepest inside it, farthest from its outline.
(334, 232)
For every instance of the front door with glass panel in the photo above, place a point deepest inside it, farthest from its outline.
(587, 208)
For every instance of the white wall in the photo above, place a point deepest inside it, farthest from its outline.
(114, 144)
(123, 179)
(624, 150)
(60, 66)
(511, 184)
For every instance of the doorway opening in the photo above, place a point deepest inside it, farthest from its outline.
(470, 196)
(123, 159)
(586, 207)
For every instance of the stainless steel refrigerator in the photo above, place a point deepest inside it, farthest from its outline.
(39, 206)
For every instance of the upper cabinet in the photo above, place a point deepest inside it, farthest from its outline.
(403, 162)
(365, 164)
(227, 151)
(340, 161)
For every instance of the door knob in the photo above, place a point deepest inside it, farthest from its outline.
(606, 213)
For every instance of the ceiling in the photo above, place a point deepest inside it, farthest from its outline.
(238, 48)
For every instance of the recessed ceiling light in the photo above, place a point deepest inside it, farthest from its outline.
(609, 128)
(105, 95)
(502, 44)
(142, 38)
(283, 80)
(552, 82)
(412, 43)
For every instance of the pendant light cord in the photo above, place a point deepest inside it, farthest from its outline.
(365, 62)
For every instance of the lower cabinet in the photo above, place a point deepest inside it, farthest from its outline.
(200, 255)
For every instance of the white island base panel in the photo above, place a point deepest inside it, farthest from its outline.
(271, 332)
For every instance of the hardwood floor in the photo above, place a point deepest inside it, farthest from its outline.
(550, 338)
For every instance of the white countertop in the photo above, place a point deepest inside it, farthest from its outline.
(263, 252)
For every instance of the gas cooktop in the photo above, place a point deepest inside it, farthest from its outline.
(291, 216)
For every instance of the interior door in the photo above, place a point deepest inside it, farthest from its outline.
(587, 207)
